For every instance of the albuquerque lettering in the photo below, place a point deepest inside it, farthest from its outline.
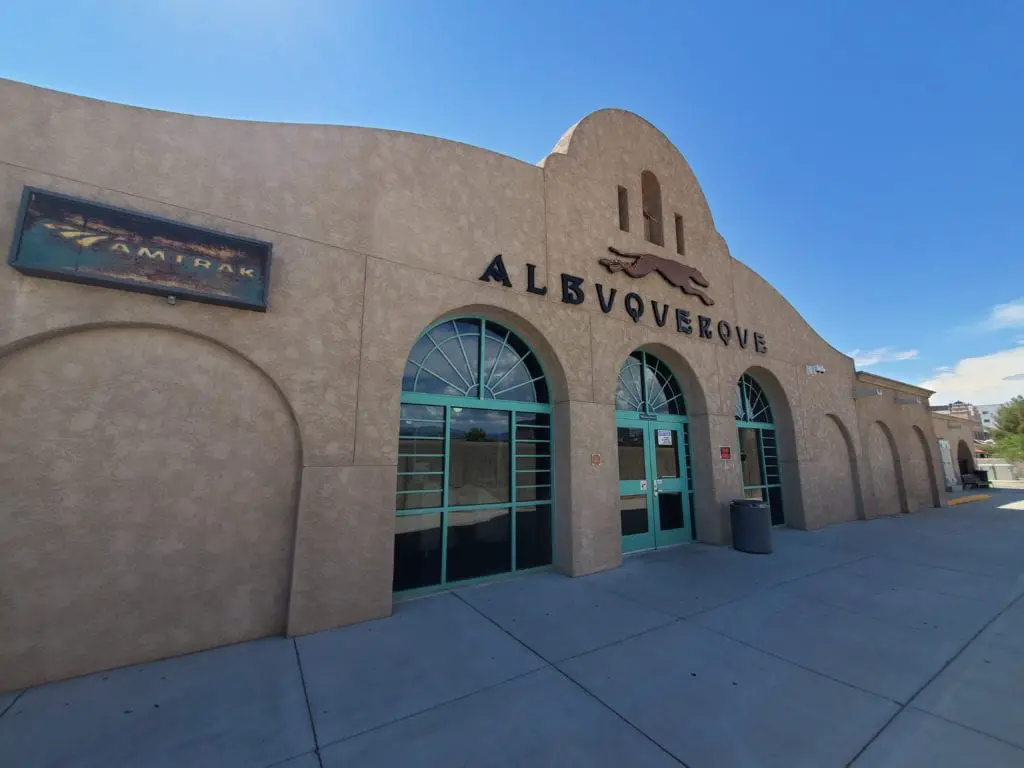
(573, 293)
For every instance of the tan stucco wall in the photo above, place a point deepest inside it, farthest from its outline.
(376, 235)
(903, 465)
(147, 475)
(955, 430)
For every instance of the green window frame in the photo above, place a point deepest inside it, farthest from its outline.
(753, 411)
(472, 363)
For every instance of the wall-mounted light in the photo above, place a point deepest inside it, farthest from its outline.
(815, 370)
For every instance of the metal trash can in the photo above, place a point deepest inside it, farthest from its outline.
(751, 526)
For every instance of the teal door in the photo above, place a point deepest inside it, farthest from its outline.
(653, 484)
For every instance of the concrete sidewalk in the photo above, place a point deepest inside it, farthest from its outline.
(898, 642)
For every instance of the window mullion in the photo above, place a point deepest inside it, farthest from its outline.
(512, 476)
(444, 496)
(480, 355)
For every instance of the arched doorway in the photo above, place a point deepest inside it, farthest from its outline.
(655, 469)
(759, 448)
(964, 458)
(474, 458)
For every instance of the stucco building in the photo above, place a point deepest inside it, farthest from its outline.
(467, 365)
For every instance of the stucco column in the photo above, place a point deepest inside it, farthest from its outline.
(344, 547)
(716, 480)
(588, 534)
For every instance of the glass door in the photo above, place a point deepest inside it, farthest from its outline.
(653, 489)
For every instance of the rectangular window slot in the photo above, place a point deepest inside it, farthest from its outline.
(623, 209)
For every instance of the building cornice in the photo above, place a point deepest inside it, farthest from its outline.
(872, 379)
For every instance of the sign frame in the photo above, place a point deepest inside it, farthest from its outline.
(725, 452)
(264, 247)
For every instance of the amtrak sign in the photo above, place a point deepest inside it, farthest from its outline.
(67, 238)
(687, 279)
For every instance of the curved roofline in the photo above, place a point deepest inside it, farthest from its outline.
(268, 123)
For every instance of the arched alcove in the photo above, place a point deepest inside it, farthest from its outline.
(931, 492)
(964, 458)
(886, 471)
(150, 482)
(844, 477)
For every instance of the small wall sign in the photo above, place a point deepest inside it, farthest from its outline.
(664, 437)
(595, 459)
(726, 452)
(66, 238)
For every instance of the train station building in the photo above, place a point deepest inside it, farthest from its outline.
(262, 379)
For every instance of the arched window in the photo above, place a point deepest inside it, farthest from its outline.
(474, 457)
(751, 402)
(650, 195)
(646, 385)
(759, 451)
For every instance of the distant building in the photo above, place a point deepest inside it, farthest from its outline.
(988, 417)
(963, 410)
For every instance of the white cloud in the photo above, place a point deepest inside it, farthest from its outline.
(864, 357)
(1009, 315)
(982, 380)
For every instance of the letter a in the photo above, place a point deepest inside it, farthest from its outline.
(496, 271)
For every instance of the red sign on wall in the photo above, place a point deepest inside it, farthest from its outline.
(726, 452)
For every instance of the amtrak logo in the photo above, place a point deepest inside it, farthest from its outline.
(687, 279)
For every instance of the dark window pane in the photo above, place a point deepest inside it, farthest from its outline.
(533, 449)
(666, 456)
(634, 515)
(541, 463)
(414, 445)
(410, 428)
(670, 511)
(533, 419)
(533, 478)
(479, 456)
(421, 483)
(417, 551)
(775, 501)
(533, 433)
(420, 463)
(542, 493)
(418, 500)
(631, 454)
(423, 412)
(533, 536)
(479, 543)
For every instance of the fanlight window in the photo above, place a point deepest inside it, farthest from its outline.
(751, 402)
(450, 360)
(646, 385)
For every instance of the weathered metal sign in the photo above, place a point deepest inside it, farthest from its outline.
(67, 238)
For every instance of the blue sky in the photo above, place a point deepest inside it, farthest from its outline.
(866, 157)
